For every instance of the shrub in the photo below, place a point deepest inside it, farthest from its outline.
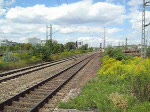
(10, 57)
(23, 55)
(115, 53)
(135, 71)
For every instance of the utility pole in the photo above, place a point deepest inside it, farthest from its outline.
(49, 35)
(104, 38)
(49, 32)
(143, 41)
(51, 38)
(76, 45)
(119, 44)
(46, 33)
(100, 47)
(146, 39)
(126, 44)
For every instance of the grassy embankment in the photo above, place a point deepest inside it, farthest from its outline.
(121, 86)
(18, 60)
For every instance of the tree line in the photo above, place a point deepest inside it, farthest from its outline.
(44, 52)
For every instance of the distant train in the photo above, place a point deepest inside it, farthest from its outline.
(1, 55)
(131, 51)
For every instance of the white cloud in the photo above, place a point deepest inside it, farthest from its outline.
(4, 4)
(9, 2)
(2, 12)
(135, 2)
(88, 30)
(135, 18)
(25, 22)
(76, 13)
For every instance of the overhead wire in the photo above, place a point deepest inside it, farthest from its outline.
(79, 19)
(59, 3)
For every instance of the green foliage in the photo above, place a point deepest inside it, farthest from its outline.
(70, 46)
(84, 47)
(148, 52)
(141, 107)
(23, 55)
(26, 54)
(63, 55)
(32, 60)
(90, 49)
(135, 71)
(10, 57)
(25, 60)
(26, 46)
(115, 53)
(44, 52)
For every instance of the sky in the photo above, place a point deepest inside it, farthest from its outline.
(74, 20)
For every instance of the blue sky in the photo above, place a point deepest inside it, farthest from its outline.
(73, 20)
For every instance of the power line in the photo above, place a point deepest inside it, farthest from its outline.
(80, 20)
(59, 3)
(76, 20)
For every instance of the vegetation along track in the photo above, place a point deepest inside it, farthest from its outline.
(19, 72)
(35, 97)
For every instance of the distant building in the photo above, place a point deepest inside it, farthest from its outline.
(33, 41)
(7, 43)
(43, 42)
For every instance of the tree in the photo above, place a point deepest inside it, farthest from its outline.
(62, 48)
(16, 47)
(115, 53)
(70, 46)
(84, 47)
(27, 46)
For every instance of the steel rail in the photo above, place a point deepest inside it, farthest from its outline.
(22, 94)
(45, 65)
(48, 97)
(30, 67)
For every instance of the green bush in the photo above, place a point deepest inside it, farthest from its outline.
(23, 55)
(10, 57)
(32, 60)
(115, 53)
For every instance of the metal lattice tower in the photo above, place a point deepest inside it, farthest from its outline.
(143, 42)
(104, 38)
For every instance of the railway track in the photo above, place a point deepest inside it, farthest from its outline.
(14, 86)
(36, 96)
(26, 70)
